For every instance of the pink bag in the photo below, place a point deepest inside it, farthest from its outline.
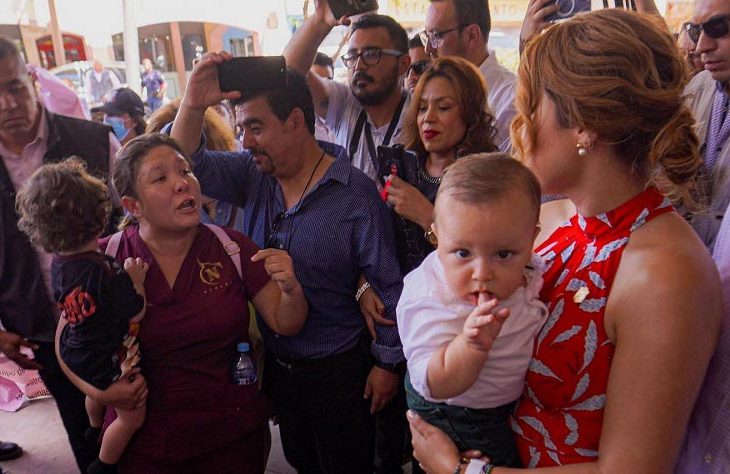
(18, 385)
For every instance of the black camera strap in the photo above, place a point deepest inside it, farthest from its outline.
(362, 123)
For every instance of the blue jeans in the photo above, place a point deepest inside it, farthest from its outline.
(485, 429)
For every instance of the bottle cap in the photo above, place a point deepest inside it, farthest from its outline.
(243, 347)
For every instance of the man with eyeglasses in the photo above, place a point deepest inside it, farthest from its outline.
(461, 28)
(369, 112)
(707, 444)
(708, 98)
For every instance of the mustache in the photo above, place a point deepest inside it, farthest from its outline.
(362, 76)
(256, 151)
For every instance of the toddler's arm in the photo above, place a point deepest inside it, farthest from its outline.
(137, 268)
(455, 366)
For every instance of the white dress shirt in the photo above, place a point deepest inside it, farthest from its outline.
(501, 87)
(431, 315)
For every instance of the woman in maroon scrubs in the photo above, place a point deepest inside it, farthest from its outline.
(197, 419)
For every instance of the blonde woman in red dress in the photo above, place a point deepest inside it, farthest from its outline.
(633, 296)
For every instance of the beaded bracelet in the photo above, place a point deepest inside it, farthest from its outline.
(361, 290)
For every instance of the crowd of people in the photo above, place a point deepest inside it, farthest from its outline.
(447, 263)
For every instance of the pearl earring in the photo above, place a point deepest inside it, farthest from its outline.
(582, 150)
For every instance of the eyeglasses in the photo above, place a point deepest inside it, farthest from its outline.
(436, 38)
(419, 67)
(370, 56)
(715, 28)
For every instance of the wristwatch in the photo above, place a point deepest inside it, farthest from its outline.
(430, 236)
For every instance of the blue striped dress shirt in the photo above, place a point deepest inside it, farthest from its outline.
(339, 230)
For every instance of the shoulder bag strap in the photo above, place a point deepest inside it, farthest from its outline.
(231, 247)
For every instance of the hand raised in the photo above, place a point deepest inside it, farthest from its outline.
(202, 89)
(483, 325)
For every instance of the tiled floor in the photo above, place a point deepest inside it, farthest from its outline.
(38, 429)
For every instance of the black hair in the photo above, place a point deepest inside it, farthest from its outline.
(282, 102)
(397, 34)
(415, 42)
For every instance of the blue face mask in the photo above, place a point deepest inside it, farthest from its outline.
(117, 125)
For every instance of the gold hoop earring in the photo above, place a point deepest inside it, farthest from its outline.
(582, 150)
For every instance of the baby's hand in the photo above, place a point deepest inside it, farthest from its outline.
(136, 268)
(483, 325)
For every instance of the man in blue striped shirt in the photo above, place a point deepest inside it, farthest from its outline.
(328, 216)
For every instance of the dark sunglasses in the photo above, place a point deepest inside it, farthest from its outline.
(419, 67)
(715, 28)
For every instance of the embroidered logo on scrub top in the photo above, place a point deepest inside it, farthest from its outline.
(210, 273)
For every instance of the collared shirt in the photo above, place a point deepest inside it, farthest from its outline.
(342, 114)
(702, 93)
(707, 445)
(339, 230)
(20, 167)
(501, 87)
(431, 315)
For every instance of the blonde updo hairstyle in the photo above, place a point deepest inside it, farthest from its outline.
(470, 91)
(618, 74)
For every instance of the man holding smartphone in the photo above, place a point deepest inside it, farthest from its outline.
(461, 28)
(368, 113)
(330, 220)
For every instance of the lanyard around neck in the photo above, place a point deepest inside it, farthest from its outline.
(362, 123)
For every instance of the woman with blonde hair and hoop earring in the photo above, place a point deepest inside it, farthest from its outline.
(601, 120)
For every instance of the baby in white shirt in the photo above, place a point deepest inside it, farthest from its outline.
(469, 314)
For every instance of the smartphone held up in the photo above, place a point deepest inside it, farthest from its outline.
(349, 8)
(252, 73)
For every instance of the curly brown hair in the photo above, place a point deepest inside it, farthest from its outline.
(471, 93)
(623, 79)
(62, 207)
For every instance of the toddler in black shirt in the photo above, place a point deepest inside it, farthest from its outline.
(64, 210)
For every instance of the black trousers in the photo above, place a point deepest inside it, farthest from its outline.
(325, 424)
(392, 434)
(70, 401)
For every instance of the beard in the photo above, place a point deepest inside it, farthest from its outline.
(373, 96)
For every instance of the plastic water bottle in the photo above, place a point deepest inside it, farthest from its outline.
(244, 370)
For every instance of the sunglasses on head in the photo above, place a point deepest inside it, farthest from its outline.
(420, 66)
(714, 28)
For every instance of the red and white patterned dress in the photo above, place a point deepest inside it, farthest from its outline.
(559, 417)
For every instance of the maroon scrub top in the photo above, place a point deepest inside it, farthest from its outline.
(188, 342)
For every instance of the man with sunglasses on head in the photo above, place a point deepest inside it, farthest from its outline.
(708, 97)
(369, 112)
(707, 444)
(420, 61)
(461, 28)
